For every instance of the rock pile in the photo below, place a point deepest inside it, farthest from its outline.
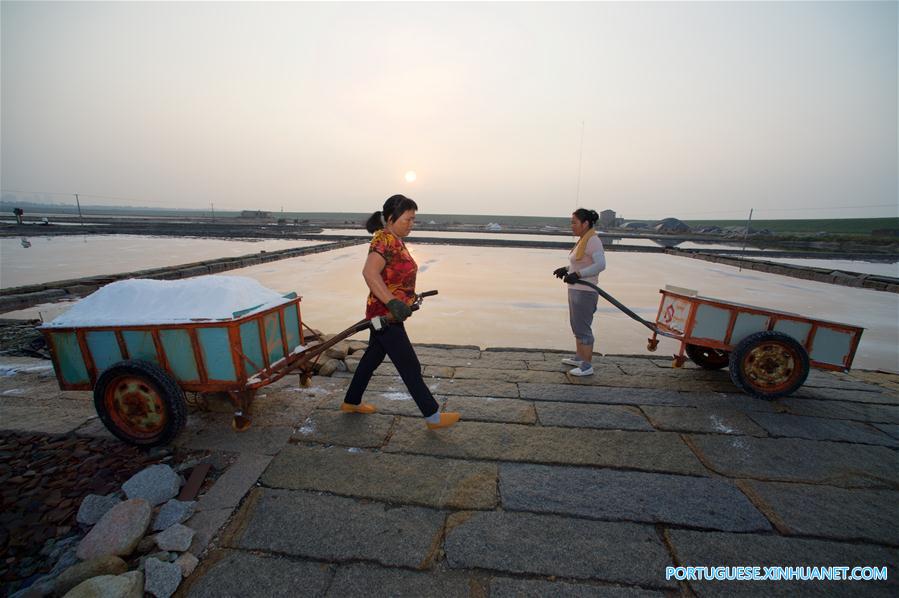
(137, 542)
(342, 357)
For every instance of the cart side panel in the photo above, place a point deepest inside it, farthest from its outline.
(746, 324)
(180, 354)
(251, 347)
(832, 346)
(71, 360)
(794, 328)
(292, 326)
(217, 353)
(710, 323)
(104, 348)
(674, 313)
(140, 345)
(274, 344)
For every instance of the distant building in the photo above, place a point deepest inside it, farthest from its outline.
(671, 225)
(254, 214)
(607, 218)
(493, 226)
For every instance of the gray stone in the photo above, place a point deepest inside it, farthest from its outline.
(692, 419)
(135, 580)
(819, 428)
(351, 364)
(105, 586)
(348, 429)
(262, 440)
(155, 484)
(438, 371)
(93, 507)
(206, 524)
(245, 574)
(789, 459)
(371, 580)
(589, 394)
(177, 537)
(864, 412)
(504, 587)
(440, 386)
(172, 512)
(628, 495)
(549, 545)
(338, 351)
(827, 512)
(188, 563)
(728, 402)
(104, 565)
(891, 429)
(405, 479)
(581, 415)
(161, 579)
(492, 409)
(333, 528)
(532, 376)
(118, 532)
(146, 544)
(722, 549)
(328, 367)
(649, 451)
(878, 396)
(231, 487)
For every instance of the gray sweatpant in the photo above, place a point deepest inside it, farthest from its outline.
(581, 307)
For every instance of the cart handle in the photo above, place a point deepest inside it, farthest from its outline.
(380, 322)
(624, 308)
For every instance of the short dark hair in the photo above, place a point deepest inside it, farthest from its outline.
(394, 207)
(585, 215)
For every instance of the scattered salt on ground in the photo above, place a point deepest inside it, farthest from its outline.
(143, 301)
(12, 370)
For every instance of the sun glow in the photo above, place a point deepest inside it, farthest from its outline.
(410, 176)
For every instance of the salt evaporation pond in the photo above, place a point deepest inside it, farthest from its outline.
(62, 257)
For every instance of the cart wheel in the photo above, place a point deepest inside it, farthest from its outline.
(708, 358)
(140, 403)
(769, 364)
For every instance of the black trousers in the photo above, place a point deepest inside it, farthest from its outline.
(394, 343)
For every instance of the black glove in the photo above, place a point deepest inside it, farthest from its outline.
(399, 310)
(560, 272)
(571, 277)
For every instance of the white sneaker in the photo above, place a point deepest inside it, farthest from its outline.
(579, 371)
(572, 361)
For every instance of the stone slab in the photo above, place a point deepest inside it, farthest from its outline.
(589, 394)
(218, 436)
(581, 415)
(347, 429)
(649, 451)
(370, 580)
(207, 525)
(242, 574)
(696, 502)
(798, 460)
(532, 376)
(406, 479)
(820, 428)
(387, 403)
(42, 420)
(439, 386)
(891, 429)
(711, 421)
(864, 412)
(491, 409)
(438, 371)
(878, 396)
(506, 587)
(460, 351)
(233, 485)
(828, 512)
(692, 548)
(523, 543)
(334, 528)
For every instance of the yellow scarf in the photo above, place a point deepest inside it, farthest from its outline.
(581, 246)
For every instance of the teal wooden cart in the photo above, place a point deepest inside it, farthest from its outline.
(139, 374)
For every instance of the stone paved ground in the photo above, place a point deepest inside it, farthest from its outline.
(548, 486)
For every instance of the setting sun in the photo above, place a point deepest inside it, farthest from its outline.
(410, 176)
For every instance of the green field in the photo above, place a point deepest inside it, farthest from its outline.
(836, 226)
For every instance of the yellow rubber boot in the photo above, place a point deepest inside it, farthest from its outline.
(361, 408)
(446, 420)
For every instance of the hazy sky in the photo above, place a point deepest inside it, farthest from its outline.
(689, 109)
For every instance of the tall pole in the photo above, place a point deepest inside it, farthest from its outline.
(580, 158)
(78, 203)
(745, 235)
(212, 207)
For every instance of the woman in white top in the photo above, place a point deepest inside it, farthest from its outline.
(587, 260)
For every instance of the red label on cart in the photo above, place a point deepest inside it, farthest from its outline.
(674, 313)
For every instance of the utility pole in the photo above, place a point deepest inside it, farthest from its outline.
(212, 207)
(78, 203)
(746, 234)
(577, 199)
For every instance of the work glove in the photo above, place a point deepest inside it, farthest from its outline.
(571, 277)
(560, 272)
(399, 310)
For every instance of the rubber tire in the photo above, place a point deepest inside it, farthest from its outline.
(707, 358)
(165, 385)
(748, 344)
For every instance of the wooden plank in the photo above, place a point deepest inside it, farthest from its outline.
(197, 477)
